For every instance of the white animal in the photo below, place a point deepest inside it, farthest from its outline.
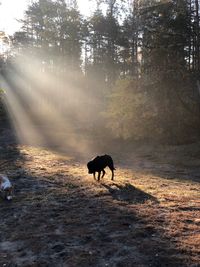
(6, 187)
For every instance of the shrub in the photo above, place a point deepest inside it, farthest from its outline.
(130, 114)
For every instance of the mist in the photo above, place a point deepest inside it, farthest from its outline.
(54, 110)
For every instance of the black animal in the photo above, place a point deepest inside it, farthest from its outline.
(99, 163)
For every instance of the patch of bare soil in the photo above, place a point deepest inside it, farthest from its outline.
(60, 216)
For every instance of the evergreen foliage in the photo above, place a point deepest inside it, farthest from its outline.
(141, 58)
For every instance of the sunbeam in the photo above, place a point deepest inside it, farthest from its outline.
(48, 109)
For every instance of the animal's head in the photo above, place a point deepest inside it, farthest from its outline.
(90, 167)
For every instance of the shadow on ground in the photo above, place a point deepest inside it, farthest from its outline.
(63, 224)
(129, 193)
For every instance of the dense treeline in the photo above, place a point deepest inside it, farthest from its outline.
(141, 60)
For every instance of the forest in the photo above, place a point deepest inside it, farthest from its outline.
(136, 63)
(123, 81)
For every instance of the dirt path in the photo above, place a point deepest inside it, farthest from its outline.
(60, 216)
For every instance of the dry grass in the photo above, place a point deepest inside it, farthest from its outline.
(60, 216)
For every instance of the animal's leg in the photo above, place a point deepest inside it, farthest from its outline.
(112, 175)
(94, 175)
(99, 173)
(103, 174)
(8, 195)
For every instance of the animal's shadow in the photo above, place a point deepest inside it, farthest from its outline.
(129, 193)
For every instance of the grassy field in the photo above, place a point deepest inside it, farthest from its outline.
(60, 216)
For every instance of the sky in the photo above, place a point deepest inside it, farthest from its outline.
(11, 10)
